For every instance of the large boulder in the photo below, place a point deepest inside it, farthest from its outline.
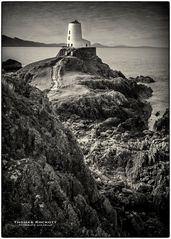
(11, 65)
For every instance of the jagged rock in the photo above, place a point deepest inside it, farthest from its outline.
(91, 65)
(162, 124)
(44, 170)
(120, 84)
(143, 91)
(127, 191)
(109, 122)
(137, 224)
(157, 113)
(142, 187)
(143, 79)
(92, 62)
(11, 65)
(109, 116)
(90, 89)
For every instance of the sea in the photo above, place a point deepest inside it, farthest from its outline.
(132, 62)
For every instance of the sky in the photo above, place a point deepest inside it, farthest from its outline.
(109, 23)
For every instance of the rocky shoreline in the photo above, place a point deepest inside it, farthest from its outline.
(99, 173)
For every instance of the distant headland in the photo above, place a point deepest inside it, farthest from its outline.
(18, 42)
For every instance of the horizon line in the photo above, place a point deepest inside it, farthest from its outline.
(100, 44)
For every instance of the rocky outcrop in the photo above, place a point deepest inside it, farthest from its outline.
(11, 65)
(90, 64)
(120, 84)
(162, 124)
(101, 106)
(108, 115)
(143, 79)
(44, 175)
(131, 168)
(88, 88)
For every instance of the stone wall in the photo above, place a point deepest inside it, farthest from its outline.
(84, 52)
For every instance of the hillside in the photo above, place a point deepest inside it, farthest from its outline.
(17, 42)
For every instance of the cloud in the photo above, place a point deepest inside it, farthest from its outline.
(103, 22)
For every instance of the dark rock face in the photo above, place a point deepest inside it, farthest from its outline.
(120, 84)
(44, 176)
(102, 106)
(143, 79)
(131, 168)
(157, 113)
(11, 65)
(162, 124)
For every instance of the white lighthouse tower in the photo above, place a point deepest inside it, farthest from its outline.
(74, 36)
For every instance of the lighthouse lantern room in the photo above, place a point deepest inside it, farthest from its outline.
(74, 36)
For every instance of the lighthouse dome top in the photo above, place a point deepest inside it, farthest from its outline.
(76, 22)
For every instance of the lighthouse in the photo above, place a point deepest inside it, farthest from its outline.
(74, 36)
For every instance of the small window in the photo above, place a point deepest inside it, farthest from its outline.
(69, 32)
(68, 44)
(86, 45)
(68, 38)
(71, 44)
